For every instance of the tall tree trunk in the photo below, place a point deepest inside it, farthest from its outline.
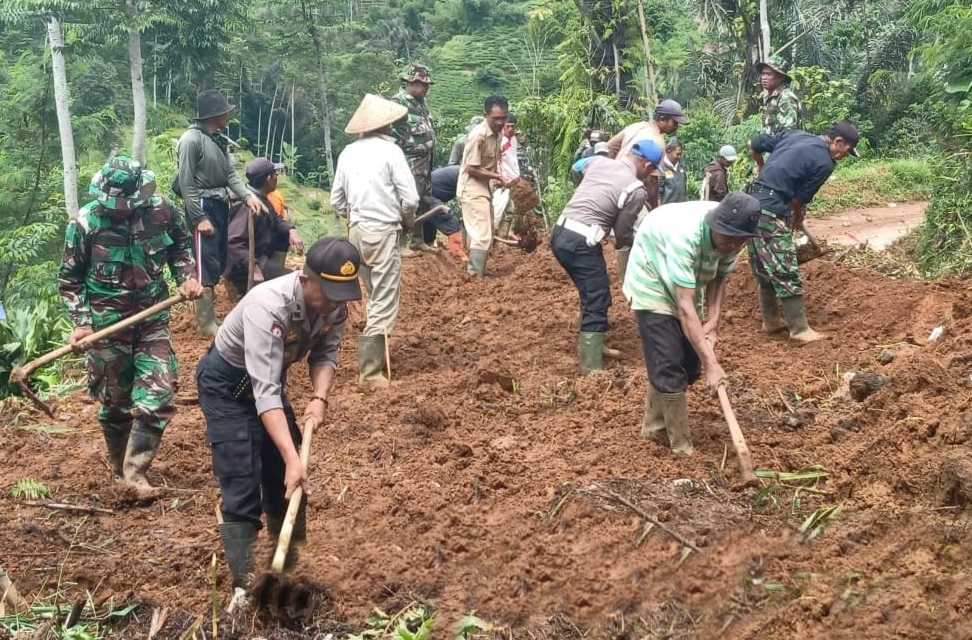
(322, 83)
(764, 28)
(138, 84)
(617, 71)
(651, 91)
(63, 104)
(273, 105)
(293, 128)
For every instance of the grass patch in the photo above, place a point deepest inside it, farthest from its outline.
(869, 183)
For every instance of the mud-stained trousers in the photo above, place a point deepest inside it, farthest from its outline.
(773, 256)
(381, 273)
(246, 462)
(133, 375)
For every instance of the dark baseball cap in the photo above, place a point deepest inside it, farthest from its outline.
(673, 110)
(737, 215)
(258, 167)
(848, 132)
(334, 262)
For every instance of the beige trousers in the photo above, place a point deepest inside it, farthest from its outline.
(381, 273)
(477, 218)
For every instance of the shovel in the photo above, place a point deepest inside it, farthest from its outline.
(810, 251)
(20, 374)
(271, 590)
(738, 440)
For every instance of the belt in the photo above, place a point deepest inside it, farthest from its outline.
(573, 225)
(241, 387)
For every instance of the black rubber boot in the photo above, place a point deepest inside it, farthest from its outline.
(116, 439)
(238, 539)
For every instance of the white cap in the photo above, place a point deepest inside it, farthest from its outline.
(729, 153)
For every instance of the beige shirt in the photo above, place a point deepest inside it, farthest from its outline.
(373, 184)
(620, 145)
(482, 150)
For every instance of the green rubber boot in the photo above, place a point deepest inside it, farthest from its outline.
(477, 262)
(591, 352)
(653, 420)
(769, 304)
(206, 314)
(238, 539)
(796, 319)
(621, 260)
(372, 367)
(116, 439)
(675, 411)
(143, 443)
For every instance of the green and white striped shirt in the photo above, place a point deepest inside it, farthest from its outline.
(673, 248)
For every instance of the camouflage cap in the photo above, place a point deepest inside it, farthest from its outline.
(122, 184)
(418, 73)
(777, 64)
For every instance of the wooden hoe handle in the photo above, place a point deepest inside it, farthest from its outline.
(738, 440)
(287, 529)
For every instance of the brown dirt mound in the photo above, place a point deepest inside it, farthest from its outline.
(487, 477)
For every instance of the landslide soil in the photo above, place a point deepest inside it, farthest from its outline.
(487, 478)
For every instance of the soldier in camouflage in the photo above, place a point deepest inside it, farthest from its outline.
(114, 254)
(781, 107)
(416, 137)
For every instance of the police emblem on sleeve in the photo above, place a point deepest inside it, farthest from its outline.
(276, 330)
(347, 269)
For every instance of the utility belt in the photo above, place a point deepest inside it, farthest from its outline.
(770, 199)
(226, 376)
(592, 233)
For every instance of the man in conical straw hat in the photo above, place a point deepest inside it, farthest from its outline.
(373, 187)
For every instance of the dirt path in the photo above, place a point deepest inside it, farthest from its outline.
(486, 479)
(877, 226)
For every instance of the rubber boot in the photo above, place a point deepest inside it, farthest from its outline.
(116, 438)
(769, 304)
(796, 319)
(591, 352)
(143, 443)
(372, 367)
(456, 248)
(206, 314)
(653, 421)
(675, 412)
(621, 260)
(238, 539)
(297, 537)
(477, 262)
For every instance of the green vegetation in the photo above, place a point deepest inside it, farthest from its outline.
(30, 489)
(869, 183)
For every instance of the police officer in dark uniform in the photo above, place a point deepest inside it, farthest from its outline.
(609, 197)
(250, 423)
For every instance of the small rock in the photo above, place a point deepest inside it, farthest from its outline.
(866, 383)
(683, 484)
(869, 218)
(886, 356)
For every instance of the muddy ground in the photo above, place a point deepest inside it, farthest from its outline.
(491, 478)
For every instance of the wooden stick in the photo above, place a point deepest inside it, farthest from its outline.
(287, 529)
(387, 358)
(595, 490)
(738, 440)
(251, 239)
(68, 507)
(21, 373)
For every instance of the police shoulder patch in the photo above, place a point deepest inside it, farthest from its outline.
(277, 329)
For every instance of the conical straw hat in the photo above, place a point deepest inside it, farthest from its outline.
(374, 112)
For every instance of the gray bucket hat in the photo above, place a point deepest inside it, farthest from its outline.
(212, 103)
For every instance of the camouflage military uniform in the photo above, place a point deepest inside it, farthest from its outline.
(416, 136)
(781, 111)
(111, 269)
